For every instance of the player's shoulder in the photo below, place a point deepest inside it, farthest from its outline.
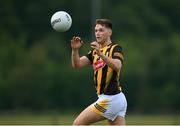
(90, 51)
(116, 46)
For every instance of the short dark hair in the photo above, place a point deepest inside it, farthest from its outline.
(105, 22)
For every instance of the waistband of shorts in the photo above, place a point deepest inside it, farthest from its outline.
(113, 93)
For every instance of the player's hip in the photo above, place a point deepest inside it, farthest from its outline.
(110, 106)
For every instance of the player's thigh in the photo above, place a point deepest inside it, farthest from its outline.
(87, 117)
(118, 121)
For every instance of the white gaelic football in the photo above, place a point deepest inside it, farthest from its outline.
(61, 21)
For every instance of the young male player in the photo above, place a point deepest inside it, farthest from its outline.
(106, 58)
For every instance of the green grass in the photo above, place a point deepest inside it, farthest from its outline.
(49, 119)
(153, 119)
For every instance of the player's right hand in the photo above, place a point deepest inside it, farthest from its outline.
(76, 42)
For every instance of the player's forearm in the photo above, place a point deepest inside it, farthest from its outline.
(75, 59)
(113, 63)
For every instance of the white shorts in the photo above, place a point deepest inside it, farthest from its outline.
(110, 106)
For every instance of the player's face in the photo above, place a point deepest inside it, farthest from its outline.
(102, 33)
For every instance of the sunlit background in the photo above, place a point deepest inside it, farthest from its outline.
(38, 84)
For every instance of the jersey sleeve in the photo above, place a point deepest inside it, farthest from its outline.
(90, 56)
(118, 53)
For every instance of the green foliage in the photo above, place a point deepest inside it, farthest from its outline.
(35, 67)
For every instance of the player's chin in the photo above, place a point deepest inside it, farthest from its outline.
(98, 40)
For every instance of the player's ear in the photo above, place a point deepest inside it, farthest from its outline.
(110, 32)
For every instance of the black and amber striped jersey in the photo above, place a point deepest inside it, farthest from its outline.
(105, 78)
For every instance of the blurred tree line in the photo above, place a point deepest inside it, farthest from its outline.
(35, 64)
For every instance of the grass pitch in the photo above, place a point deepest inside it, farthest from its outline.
(67, 119)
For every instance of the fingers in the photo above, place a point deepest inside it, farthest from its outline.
(76, 42)
(76, 38)
(95, 45)
(81, 42)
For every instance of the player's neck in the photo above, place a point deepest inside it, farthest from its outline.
(103, 44)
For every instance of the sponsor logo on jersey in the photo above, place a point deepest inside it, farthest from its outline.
(98, 64)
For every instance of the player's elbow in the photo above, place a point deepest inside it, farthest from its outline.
(117, 65)
(117, 68)
(75, 66)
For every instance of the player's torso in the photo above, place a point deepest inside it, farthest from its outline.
(105, 78)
